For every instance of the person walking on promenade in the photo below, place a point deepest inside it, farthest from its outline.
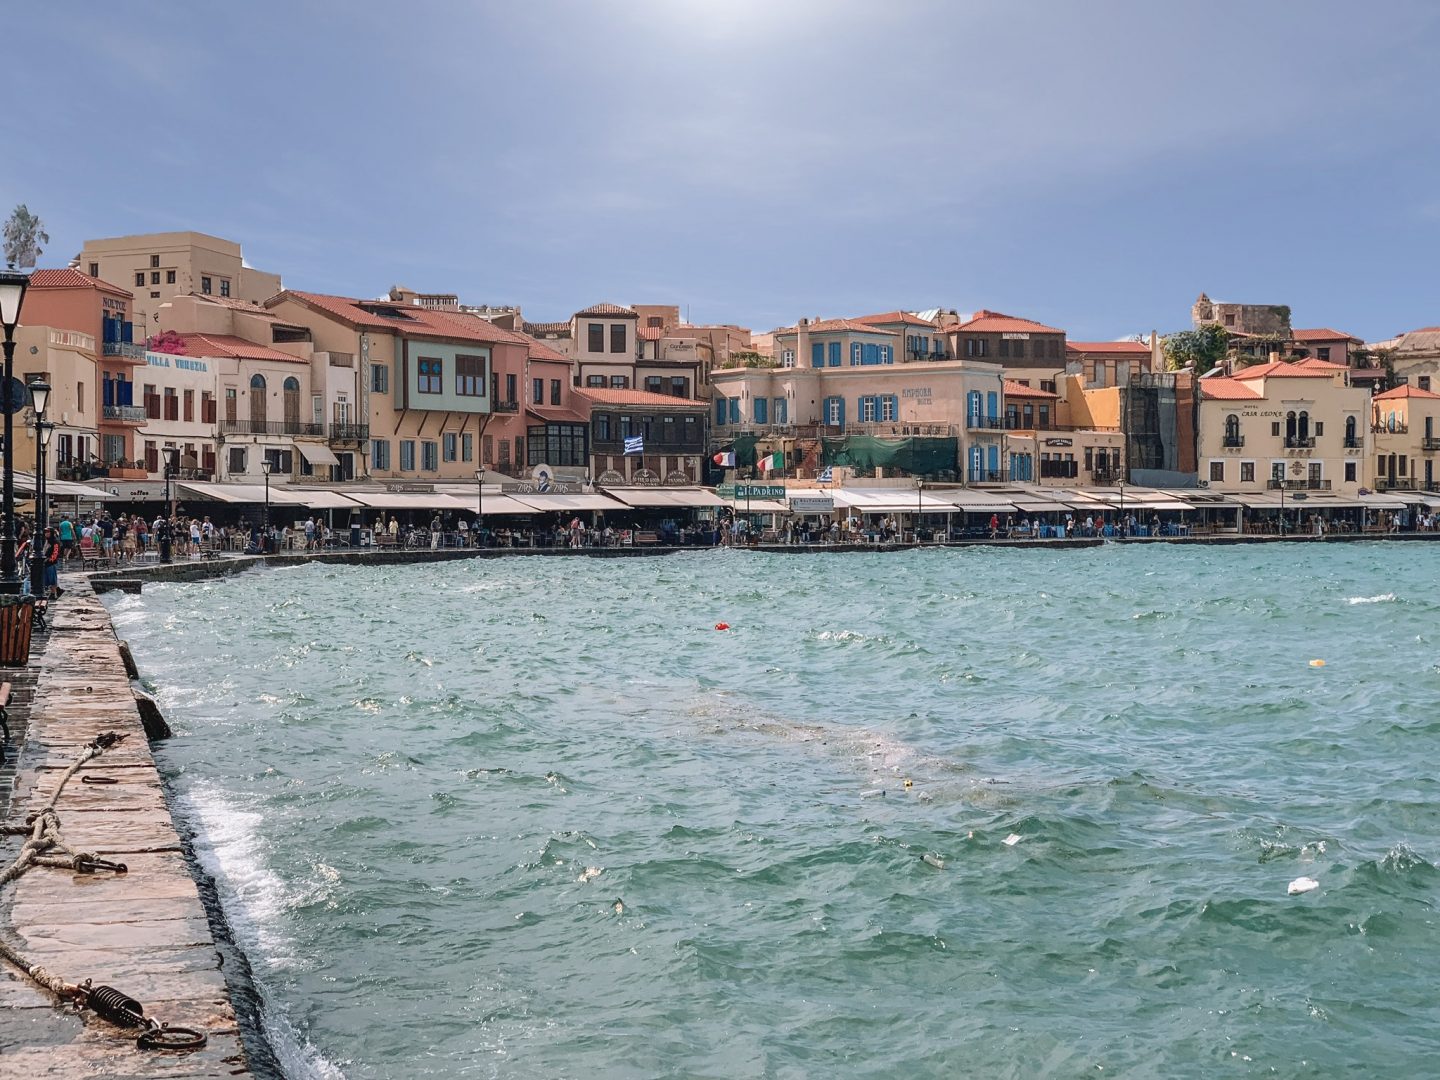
(994, 526)
(53, 552)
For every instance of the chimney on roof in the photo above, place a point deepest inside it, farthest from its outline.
(1274, 356)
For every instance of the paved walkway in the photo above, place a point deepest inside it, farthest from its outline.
(145, 932)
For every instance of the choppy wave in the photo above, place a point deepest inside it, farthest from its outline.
(536, 818)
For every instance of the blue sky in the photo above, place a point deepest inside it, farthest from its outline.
(1094, 164)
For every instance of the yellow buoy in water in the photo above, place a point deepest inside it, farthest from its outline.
(1317, 663)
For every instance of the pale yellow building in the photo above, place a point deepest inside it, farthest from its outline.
(157, 267)
(1405, 424)
(66, 360)
(1292, 426)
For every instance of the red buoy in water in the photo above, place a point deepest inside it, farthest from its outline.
(722, 626)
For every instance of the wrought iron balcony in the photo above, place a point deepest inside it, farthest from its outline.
(1232, 440)
(506, 406)
(127, 349)
(1429, 443)
(126, 414)
(269, 427)
(1352, 443)
(341, 433)
(1295, 442)
(1398, 483)
(1298, 485)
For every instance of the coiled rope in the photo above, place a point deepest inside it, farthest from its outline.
(44, 846)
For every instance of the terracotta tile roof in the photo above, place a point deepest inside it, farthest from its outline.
(833, 326)
(67, 277)
(608, 309)
(650, 333)
(234, 303)
(1323, 333)
(994, 322)
(605, 396)
(556, 415)
(407, 319)
(1406, 391)
(1019, 390)
(1221, 389)
(548, 327)
(235, 347)
(1136, 347)
(896, 317)
(1308, 368)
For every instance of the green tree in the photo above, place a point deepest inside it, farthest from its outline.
(1205, 346)
(24, 233)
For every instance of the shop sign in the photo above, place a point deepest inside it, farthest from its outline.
(759, 491)
(646, 478)
(812, 504)
(610, 478)
(677, 479)
(400, 487)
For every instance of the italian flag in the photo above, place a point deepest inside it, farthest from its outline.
(773, 461)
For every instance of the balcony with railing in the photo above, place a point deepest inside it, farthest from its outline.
(1396, 483)
(123, 414)
(1392, 428)
(1059, 470)
(988, 476)
(506, 406)
(1297, 485)
(270, 427)
(123, 350)
(1298, 442)
(1430, 442)
(349, 433)
(1352, 443)
(1232, 441)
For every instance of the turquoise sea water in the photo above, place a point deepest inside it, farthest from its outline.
(537, 818)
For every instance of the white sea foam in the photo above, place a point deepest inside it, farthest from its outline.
(1383, 598)
(230, 847)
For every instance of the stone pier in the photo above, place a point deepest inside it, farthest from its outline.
(144, 932)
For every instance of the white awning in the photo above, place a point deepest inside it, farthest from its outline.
(410, 500)
(1382, 501)
(320, 500)
(1255, 500)
(67, 489)
(226, 493)
(890, 501)
(761, 506)
(317, 454)
(696, 496)
(566, 503)
(497, 505)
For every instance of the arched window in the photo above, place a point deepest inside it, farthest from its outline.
(1232, 430)
(257, 399)
(1303, 428)
(292, 400)
(1289, 428)
(1350, 431)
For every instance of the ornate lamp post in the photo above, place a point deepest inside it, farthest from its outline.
(919, 506)
(479, 507)
(265, 467)
(12, 294)
(40, 397)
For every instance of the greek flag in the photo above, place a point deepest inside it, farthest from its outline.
(634, 444)
(826, 476)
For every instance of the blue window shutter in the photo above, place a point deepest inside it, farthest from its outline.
(719, 410)
(992, 404)
(734, 410)
(817, 354)
(834, 354)
(841, 402)
(894, 407)
(760, 408)
(994, 465)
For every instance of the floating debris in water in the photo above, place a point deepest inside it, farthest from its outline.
(1302, 885)
(1013, 839)
(619, 907)
(590, 874)
(931, 859)
(870, 794)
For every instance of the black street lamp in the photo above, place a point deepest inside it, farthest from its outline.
(12, 294)
(265, 467)
(479, 506)
(39, 397)
(919, 506)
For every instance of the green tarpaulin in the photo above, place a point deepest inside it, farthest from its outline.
(916, 455)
